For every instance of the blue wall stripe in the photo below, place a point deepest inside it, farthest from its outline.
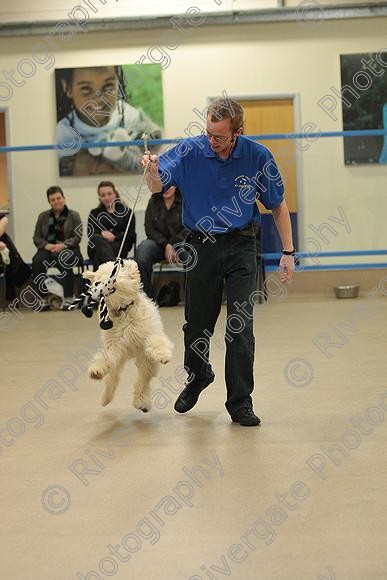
(140, 143)
(274, 268)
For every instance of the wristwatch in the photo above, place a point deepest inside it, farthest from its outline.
(292, 253)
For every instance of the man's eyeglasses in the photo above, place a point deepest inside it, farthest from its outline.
(218, 138)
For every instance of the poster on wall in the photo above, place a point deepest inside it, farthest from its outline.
(106, 103)
(364, 106)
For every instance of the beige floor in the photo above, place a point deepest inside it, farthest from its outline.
(334, 529)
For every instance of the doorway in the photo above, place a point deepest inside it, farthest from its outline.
(4, 194)
(264, 116)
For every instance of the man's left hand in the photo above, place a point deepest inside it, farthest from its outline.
(286, 269)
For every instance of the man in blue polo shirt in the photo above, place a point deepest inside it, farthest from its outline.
(221, 175)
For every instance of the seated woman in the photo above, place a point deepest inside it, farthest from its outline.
(57, 236)
(106, 226)
(16, 271)
(164, 229)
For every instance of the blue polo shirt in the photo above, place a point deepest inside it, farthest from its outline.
(219, 196)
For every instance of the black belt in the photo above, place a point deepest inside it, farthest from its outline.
(249, 230)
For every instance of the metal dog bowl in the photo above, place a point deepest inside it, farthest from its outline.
(350, 291)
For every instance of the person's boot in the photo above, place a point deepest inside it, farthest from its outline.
(189, 396)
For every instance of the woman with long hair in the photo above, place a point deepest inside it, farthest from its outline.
(106, 226)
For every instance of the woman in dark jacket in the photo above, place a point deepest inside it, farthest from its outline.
(16, 271)
(164, 229)
(106, 226)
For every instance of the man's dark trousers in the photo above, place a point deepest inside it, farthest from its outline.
(230, 259)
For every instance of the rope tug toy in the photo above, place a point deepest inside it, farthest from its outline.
(95, 293)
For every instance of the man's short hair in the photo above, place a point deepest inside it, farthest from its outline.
(220, 109)
(54, 189)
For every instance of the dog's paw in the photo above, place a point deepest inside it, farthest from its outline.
(98, 372)
(159, 349)
(143, 405)
(162, 356)
(106, 398)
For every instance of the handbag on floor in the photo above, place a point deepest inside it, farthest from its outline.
(55, 296)
(169, 294)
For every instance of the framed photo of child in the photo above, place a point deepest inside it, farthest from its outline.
(106, 103)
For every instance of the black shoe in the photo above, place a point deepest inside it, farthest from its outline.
(189, 396)
(246, 417)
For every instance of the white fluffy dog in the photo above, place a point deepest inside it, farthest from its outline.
(137, 334)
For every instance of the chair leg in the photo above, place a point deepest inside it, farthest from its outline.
(2, 292)
(156, 281)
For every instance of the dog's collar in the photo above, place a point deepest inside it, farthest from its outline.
(124, 308)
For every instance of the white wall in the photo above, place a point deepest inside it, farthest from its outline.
(46, 10)
(243, 60)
